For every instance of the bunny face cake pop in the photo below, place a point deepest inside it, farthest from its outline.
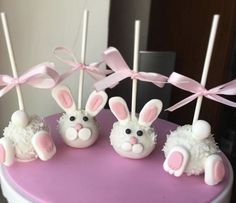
(79, 128)
(130, 138)
(191, 149)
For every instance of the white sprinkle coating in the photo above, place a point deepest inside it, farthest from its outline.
(199, 150)
(21, 137)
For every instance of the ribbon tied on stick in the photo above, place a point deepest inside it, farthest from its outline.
(190, 85)
(42, 76)
(115, 61)
(92, 69)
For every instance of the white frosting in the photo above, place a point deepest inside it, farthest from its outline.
(83, 137)
(120, 140)
(199, 149)
(21, 137)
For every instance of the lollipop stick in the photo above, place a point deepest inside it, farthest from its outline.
(83, 53)
(135, 67)
(206, 64)
(12, 60)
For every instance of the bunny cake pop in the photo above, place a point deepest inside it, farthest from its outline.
(79, 128)
(191, 149)
(134, 139)
(26, 138)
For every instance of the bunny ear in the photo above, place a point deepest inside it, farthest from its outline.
(119, 108)
(63, 97)
(96, 102)
(150, 112)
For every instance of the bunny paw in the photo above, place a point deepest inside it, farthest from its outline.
(7, 152)
(43, 145)
(137, 148)
(126, 146)
(176, 161)
(214, 170)
(85, 134)
(71, 134)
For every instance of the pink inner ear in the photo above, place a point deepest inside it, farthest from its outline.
(150, 114)
(120, 110)
(95, 102)
(65, 99)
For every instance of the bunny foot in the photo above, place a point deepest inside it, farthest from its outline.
(214, 170)
(7, 152)
(43, 145)
(176, 161)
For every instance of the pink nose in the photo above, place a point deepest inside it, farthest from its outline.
(78, 126)
(133, 140)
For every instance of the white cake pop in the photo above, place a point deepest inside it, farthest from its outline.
(193, 150)
(79, 128)
(25, 139)
(134, 139)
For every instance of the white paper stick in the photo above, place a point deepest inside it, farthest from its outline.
(206, 64)
(135, 67)
(12, 60)
(83, 54)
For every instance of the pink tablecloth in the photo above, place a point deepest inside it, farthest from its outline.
(98, 175)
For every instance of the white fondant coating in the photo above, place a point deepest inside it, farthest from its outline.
(198, 150)
(20, 118)
(71, 134)
(85, 134)
(82, 141)
(209, 176)
(201, 129)
(9, 151)
(21, 137)
(43, 154)
(181, 170)
(137, 148)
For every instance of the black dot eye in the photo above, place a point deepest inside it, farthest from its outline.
(72, 118)
(139, 132)
(128, 131)
(85, 118)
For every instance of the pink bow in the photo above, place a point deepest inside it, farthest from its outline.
(41, 76)
(115, 61)
(91, 69)
(191, 85)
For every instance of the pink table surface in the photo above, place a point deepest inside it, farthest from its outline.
(98, 175)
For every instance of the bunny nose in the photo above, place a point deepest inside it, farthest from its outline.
(133, 140)
(78, 126)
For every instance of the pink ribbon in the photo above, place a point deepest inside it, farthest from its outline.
(115, 61)
(92, 69)
(41, 76)
(191, 85)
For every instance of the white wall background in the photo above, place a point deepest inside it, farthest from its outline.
(36, 28)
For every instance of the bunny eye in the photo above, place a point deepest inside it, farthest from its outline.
(85, 118)
(72, 118)
(139, 132)
(128, 131)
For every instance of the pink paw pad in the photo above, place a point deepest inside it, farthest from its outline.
(2, 154)
(45, 143)
(175, 160)
(219, 171)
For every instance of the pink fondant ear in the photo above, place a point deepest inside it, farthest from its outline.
(119, 108)
(150, 112)
(96, 102)
(63, 97)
